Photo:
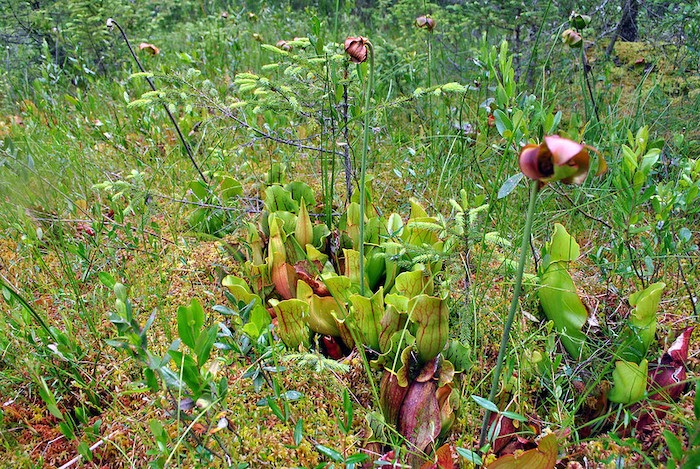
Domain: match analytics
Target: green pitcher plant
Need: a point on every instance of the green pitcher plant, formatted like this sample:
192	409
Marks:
308	278
557	292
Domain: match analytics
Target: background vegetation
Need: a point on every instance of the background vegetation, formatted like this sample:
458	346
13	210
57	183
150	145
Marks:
114	244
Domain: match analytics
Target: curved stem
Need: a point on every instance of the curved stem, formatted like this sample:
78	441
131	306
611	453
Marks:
112	22
524	248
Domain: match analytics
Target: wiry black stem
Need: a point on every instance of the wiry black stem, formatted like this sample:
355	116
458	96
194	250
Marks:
691	296
110	23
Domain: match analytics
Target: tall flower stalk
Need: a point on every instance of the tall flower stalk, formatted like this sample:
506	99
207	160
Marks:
359	49
534	190
363	164
555	159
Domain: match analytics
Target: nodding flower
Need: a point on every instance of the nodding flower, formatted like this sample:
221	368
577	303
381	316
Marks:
356	48
558	159
571	38
425	22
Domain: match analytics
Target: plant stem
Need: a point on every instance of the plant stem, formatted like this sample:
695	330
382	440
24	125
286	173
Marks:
363	194
363	164
586	85
188	150
534	189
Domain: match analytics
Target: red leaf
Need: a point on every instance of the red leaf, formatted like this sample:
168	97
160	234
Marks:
678	351
419	418
442	459
332	347
391	397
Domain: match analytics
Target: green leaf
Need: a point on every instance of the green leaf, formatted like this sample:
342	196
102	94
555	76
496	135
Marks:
430	315
278	199
272	404
204	344
649	161
510	184
67	430
259	320
674	445
190	320
368	315
120	292
107	280
84	450
49	399
347	407
485	403
300	191
514	416
562	246
230	188
299	431
356	458
562	305
292	322
470	456
330	453
240	289
637	338
188	370
503	123
199	189
630	381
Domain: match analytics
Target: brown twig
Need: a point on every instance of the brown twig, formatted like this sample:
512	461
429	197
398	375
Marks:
580	210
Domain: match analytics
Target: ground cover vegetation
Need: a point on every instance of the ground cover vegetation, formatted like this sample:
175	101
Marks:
349	234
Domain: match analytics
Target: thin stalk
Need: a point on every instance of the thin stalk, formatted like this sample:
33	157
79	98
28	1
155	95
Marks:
363	164
586	85
363	193
533	54
524	249
111	22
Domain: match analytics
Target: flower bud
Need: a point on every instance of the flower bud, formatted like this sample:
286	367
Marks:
284	45
578	20
356	48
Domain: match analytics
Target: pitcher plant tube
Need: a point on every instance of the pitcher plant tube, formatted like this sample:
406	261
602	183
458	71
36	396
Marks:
555	159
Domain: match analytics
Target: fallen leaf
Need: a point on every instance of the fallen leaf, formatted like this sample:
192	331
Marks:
442	459
149	48
542	457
